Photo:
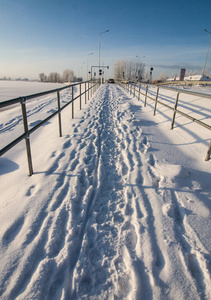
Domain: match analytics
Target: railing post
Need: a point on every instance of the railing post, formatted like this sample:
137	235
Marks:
145	102
59	114
175	110
25	126
88	90
208	153
80	96
134	91
156	101
85	92
139	89
72	102
131	88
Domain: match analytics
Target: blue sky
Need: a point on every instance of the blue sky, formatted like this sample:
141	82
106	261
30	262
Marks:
51	36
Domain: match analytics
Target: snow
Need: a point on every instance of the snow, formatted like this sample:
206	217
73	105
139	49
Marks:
117	208
198	77
192	77
14	89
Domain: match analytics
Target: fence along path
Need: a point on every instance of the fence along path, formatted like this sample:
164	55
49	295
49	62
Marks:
132	89
106	228
89	87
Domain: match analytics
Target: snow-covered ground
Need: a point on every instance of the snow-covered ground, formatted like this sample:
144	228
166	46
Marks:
14	89
118	208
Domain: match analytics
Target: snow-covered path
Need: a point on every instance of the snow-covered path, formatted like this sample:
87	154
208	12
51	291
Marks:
106	221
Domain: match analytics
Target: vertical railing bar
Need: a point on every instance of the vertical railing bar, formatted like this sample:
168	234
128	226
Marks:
175	110
59	114
27	141
139	89
145	102
156	101
88	90
134	91
72	103
208	152
80	96
85	92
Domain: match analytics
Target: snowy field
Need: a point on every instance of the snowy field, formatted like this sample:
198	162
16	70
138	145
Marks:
117	208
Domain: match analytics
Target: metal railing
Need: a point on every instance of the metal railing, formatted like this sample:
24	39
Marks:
186	82
90	86
131	88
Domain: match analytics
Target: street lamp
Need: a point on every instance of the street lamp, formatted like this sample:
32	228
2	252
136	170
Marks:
87	65
207	53
83	70
100	44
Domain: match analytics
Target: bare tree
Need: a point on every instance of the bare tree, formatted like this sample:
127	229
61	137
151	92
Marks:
147	75
128	70
68	76
163	77
119	69
43	77
54	77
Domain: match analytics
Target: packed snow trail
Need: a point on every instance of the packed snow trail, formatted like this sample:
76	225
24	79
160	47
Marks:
109	223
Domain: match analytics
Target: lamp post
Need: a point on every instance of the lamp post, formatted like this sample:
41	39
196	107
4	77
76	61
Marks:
207	53
87	65
83	70
100	45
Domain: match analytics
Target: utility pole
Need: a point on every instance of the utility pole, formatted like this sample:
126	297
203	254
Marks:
100	46
207	53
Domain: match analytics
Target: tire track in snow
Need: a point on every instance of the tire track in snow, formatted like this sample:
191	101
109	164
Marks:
55	244
54	201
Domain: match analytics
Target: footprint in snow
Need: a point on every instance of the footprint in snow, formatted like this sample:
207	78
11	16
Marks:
130	236
100	275
95	257
151	160
30	191
67	144
13	231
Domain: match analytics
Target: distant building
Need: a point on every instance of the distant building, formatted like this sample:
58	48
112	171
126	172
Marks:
192	77
198	77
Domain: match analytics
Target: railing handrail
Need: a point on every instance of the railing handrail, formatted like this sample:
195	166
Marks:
12	101
27	132
174	109
186	92
185	82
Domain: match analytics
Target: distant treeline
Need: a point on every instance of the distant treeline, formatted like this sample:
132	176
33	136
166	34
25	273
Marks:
67	76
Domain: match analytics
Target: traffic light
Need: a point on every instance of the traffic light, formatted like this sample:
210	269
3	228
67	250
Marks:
100	72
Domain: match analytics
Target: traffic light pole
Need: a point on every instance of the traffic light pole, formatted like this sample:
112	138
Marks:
100	71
